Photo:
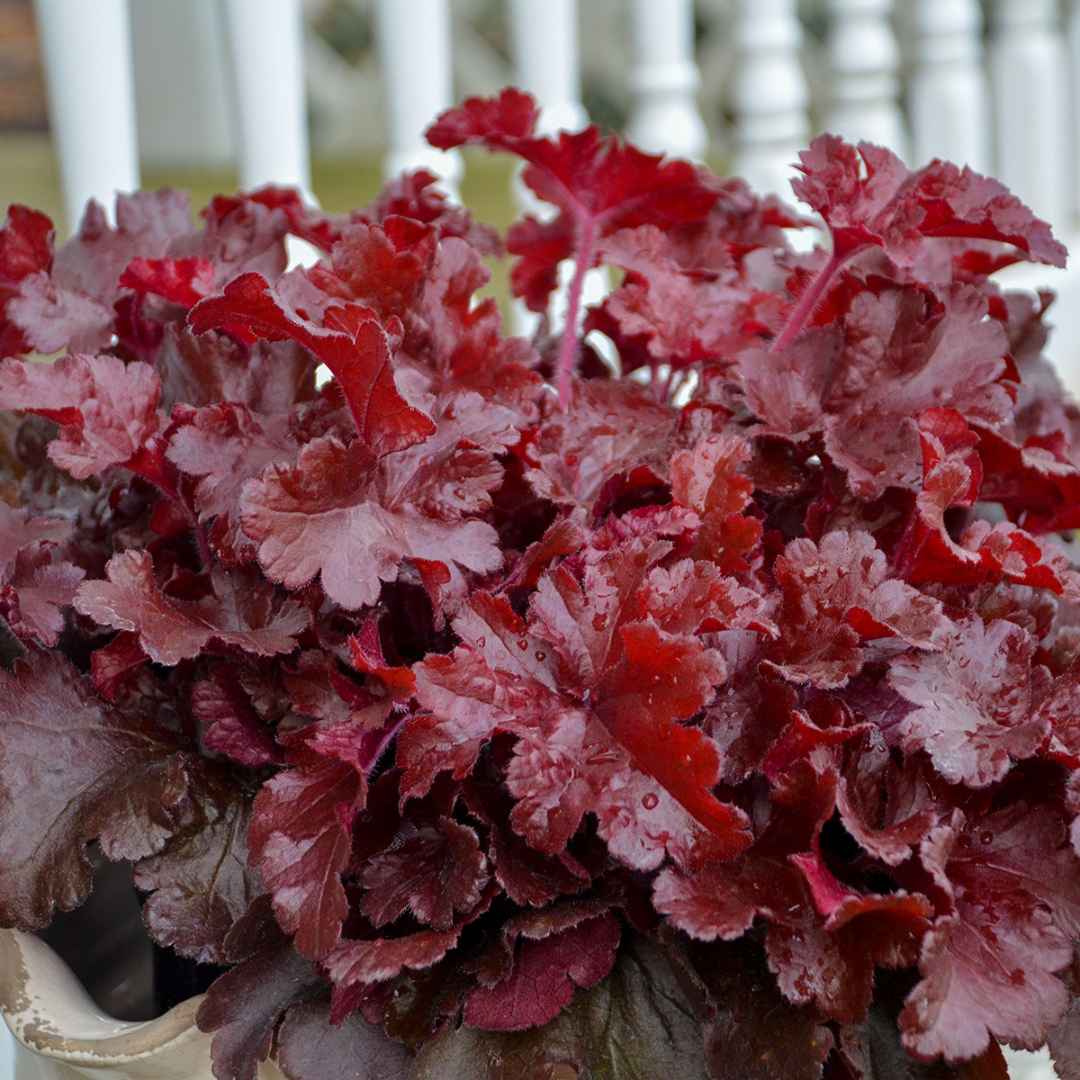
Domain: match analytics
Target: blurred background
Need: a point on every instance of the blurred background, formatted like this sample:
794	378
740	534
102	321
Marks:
184	114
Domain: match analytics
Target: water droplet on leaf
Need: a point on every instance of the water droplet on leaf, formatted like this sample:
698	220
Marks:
650	801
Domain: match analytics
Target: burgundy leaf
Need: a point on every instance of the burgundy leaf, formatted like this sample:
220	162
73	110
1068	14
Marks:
544	975
247	1003
608	428
639	1021
147	224
26	239
430	870
201	884
309	1046
752	1020
123	782
300	842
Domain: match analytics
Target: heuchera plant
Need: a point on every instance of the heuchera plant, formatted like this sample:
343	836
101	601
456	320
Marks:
488	712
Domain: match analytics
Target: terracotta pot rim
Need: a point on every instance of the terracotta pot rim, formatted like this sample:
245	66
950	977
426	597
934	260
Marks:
49	1012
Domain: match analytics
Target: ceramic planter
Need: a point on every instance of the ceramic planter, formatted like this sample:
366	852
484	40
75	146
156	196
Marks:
62	1034
66	1025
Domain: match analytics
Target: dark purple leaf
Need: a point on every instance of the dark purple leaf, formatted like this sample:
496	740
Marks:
119	780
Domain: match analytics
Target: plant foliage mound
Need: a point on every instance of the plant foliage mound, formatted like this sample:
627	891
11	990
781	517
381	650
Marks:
705	707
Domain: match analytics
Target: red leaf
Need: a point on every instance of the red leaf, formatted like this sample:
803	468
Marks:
599	185
407	270
667	313
53	319
38	593
832	964
353	963
183	281
226	446
239	613
113	664
868	196
34	587
973	702
607	429
26	238
327	515
864	381
720	900
988	967
108	409
349	340
838	595
596	719
234	728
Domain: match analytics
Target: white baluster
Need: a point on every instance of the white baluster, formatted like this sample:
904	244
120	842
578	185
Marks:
545	52
546	55
1072	37
414	40
665	80
1027	72
770	94
865	59
265	39
86	49
949	98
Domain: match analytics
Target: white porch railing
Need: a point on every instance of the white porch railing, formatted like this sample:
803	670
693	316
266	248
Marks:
988	82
